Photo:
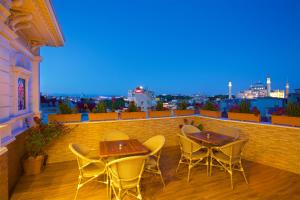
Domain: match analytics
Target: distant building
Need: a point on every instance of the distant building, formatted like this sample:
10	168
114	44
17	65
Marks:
268	86
277	94
259	90
255	91
197	98
143	98
287	87
230	90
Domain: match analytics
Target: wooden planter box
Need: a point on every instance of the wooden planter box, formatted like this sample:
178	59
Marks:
34	166
244	117
184	112
210	113
103	116
285	120
166	113
133	115
64	117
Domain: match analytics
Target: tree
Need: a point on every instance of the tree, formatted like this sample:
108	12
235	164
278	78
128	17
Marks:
65	109
183	105
101	107
132	107
159	106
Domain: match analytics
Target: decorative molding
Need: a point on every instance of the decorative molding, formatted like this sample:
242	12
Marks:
19	20
4	11
45	9
17	3
6	3
35	45
6	32
3	150
35	22
37	59
20	71
19	47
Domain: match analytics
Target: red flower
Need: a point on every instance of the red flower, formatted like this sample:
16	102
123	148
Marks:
279	111
255	111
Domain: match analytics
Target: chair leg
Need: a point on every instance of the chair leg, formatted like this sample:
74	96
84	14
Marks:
162	179
78	187
207	166
108	187
139	192
210	166
76	194
178	164
109	192
189	172
230	172
119	195
242	169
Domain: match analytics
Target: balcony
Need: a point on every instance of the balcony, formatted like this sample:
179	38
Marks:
271	162
59	181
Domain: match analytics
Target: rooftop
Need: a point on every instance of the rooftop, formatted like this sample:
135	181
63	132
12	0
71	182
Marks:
59	181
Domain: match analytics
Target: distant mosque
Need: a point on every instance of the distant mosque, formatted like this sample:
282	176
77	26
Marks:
259	90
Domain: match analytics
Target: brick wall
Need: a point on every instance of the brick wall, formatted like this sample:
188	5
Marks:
271	145
3	176
91	133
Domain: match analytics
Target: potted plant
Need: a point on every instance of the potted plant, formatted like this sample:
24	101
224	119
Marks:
243	112
182	110
210	110
38	137
133	112
287	116
67	114
160	111
99	113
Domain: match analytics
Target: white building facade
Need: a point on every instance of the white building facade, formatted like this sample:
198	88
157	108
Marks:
143	98
25	26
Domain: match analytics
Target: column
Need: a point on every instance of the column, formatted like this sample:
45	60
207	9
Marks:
35	85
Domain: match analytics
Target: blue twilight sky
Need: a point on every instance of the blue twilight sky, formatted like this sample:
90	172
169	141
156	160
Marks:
173	46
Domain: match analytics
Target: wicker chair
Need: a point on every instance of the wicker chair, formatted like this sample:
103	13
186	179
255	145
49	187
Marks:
188	129
192	154
115	135
125	175
229	131
89	169
154	144
229	158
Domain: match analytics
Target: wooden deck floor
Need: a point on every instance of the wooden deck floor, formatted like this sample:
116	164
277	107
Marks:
58	182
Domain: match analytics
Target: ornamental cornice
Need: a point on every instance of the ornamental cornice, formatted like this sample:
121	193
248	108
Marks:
35	22
46	11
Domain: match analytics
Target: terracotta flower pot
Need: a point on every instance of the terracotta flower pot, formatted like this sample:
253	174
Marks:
244	117
64	117
210	113
165	113
184	112
34	165
285	120
133	115
103	116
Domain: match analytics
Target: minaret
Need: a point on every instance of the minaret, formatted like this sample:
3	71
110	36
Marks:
287	90
229	90
268	86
